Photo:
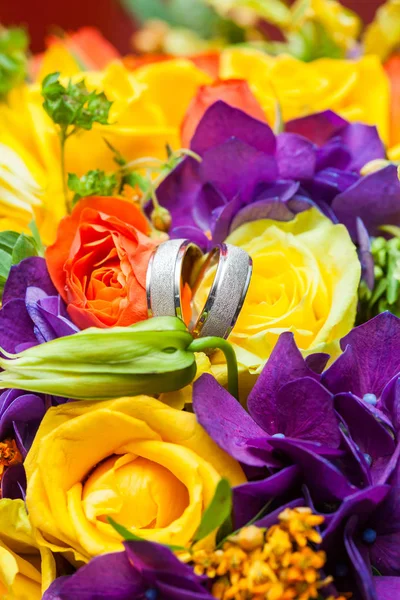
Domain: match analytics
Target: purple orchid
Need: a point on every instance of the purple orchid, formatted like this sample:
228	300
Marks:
145	571
32	310
247	173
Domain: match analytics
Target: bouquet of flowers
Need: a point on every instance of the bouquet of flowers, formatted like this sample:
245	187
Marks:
200	312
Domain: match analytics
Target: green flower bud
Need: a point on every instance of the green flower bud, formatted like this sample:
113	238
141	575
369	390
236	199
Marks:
151	357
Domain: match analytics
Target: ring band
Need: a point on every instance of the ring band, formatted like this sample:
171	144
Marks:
227	294
170	265
167	266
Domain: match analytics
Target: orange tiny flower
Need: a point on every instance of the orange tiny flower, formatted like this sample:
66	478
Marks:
9	455
99	262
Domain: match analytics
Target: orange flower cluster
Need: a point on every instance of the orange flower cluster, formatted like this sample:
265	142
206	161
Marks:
9	455
274	564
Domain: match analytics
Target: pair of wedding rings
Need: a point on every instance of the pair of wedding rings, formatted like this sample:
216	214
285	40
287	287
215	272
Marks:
176	262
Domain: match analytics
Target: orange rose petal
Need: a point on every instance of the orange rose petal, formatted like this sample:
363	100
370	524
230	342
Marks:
99	262
234	92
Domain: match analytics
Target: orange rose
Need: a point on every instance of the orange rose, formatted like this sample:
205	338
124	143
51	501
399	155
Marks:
99	261
235	92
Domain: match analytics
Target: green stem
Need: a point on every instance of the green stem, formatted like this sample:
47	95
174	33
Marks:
63	139
213	342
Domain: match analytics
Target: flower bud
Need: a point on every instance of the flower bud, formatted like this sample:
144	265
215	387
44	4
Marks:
147	358
161	219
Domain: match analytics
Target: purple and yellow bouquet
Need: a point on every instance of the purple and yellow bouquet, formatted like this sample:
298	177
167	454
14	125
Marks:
200	315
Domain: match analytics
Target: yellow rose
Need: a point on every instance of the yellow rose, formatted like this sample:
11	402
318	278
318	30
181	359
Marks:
305	279
145	115
25	571
149	466
343	86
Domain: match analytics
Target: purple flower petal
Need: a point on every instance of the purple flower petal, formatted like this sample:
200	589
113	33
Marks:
13	482
31	271
16	327
385	552
48	315
364	254
178	591
330	182
192	233
220	168
304	409
180	189
149	557
363	504
375	199
225	420
208	199
319	127
324	480
387	587
317	362
354	464
110	576
221	122
296	156
222	218
333	154
389	403
371	436
370	359
249	498
361	566
364	144
284	365
271	208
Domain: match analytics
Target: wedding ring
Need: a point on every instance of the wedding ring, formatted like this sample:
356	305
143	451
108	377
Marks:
228	291
175	262
169	266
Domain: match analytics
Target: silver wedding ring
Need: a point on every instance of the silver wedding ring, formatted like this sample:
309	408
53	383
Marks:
175	262
169	267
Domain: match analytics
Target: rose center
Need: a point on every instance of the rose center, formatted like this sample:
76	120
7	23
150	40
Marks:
136	492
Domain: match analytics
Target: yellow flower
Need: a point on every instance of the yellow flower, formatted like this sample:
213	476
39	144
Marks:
145	115
25	571
149	466
305	279
343	86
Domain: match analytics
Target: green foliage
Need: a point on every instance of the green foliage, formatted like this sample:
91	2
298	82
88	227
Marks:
93	183
74	105
13	58
190	14
72	108
131	537
385	294
217	512
14	247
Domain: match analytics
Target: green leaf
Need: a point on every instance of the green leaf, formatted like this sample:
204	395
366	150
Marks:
74	105
14	247
24	247
217	512
118	158
135	179
13	58
36	237
93	183
7	240
131	537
